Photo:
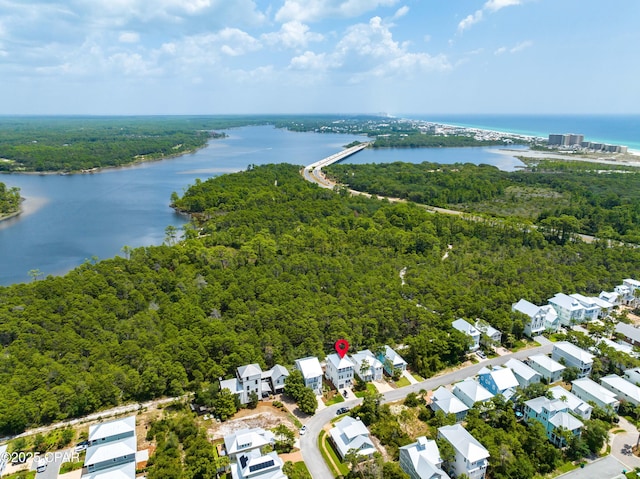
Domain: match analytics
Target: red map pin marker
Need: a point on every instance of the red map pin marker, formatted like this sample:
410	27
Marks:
342	346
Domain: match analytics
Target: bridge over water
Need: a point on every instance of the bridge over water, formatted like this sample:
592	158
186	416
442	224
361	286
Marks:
313	172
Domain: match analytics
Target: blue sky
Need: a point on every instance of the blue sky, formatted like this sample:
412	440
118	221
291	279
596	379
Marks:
319	56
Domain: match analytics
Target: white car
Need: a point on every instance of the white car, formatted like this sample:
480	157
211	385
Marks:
42	466
303	429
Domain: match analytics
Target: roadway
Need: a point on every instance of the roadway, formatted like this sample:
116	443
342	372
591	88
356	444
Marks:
309	442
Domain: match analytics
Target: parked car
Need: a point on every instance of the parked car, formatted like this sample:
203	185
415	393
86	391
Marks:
303	430
42	466
481	355
342	410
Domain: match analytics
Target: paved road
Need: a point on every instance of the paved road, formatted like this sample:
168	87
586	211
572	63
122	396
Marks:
309	442
54	460
606	468
622	443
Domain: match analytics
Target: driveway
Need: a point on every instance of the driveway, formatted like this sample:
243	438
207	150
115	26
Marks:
309	442
606	468
622	443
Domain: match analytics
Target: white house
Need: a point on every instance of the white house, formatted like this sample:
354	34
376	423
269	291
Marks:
444	400
112	449
392	361
569	310
245	440
623	389
631	334
350	433
541	318
421	460
627	291
471	457
254	465
273	380
248	381
366	366
618	346
605	306
499	380
592	309
610	297
633	375
576	405
523	373
552	414
468	329
470	392
489	336
573	356
339	371
311	373
588	390
549	369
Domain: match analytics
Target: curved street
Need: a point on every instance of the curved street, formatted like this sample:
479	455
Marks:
309	442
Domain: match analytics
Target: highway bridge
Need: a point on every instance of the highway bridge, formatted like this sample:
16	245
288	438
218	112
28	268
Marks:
313	172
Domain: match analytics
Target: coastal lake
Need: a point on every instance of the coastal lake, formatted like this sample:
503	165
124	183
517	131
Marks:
71	219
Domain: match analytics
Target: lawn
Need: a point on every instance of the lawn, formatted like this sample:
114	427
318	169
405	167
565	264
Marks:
330	456
370	388
337	398
417	377
299	469
402	382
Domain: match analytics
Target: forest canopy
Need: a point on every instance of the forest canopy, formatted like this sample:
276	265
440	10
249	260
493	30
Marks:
273	269
9	200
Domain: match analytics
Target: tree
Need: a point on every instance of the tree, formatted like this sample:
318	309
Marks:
304	397
253	400
170	235
307	401
594	434
225	404
285	438
570	374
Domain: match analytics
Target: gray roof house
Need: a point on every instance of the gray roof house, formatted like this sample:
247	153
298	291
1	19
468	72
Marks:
350	433
421	460
444	400
573	356
588	390
112	449
470	392
489	336
470	330
391	361
576	405
245	440
541	318
569	309
311	373
631	334
523	373
471	457
623	389
547	368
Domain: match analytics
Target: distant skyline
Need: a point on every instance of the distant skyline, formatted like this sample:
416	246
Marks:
150	57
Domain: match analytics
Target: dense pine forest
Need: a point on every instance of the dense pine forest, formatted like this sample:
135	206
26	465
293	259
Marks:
273	269
559	196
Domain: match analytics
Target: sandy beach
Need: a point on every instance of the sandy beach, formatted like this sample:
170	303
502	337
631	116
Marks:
631	159
29	205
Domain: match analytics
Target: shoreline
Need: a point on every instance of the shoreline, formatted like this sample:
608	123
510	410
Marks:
28	206
542	155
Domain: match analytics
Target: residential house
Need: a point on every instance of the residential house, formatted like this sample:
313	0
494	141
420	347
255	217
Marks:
623	389
569	310
351	434
630	333
633	375
254	465
391	361
339	371
273	380
311	373
553	414
246	440
592	309
590	391
248	381
620	346
444	400
366	366
489	336
612	297
540	318
421	460
470	392
605	306
112	449
549	369
572	356
523	373
627	291
471	457
470	330
577	406
499	380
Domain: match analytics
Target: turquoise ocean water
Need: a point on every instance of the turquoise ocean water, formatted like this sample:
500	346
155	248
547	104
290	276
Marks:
612	129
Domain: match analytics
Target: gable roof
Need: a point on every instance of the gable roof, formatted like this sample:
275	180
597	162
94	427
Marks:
473	390
567	421
109	429
276	372
245	439
121	471
309	367
425	458
571	400
525	307
463	442
110	451
447	401
616	382
394	357
594	389
628	331
574	351
249	370
338	362
366	355
521	369
465	327
503	378
546	362
566	302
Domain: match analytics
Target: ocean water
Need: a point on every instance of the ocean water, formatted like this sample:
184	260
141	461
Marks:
612	129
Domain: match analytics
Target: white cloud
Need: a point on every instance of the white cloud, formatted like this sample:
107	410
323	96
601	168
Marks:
292	35
401	12
521	46
470	20
312	61
490	6
500	51
235	42
129	37
314	10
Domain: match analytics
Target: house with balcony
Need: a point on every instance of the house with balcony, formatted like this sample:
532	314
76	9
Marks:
591	391
391	361
366	366
471	457
351	434
470	392
524	374
112	449
273	380
421	460
311	373
627	292
592	310
470	330
623	389
550	370
499	380
540	318
572	356
577	406
554	415
444	400
569	310
610	297
339	371
255	465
